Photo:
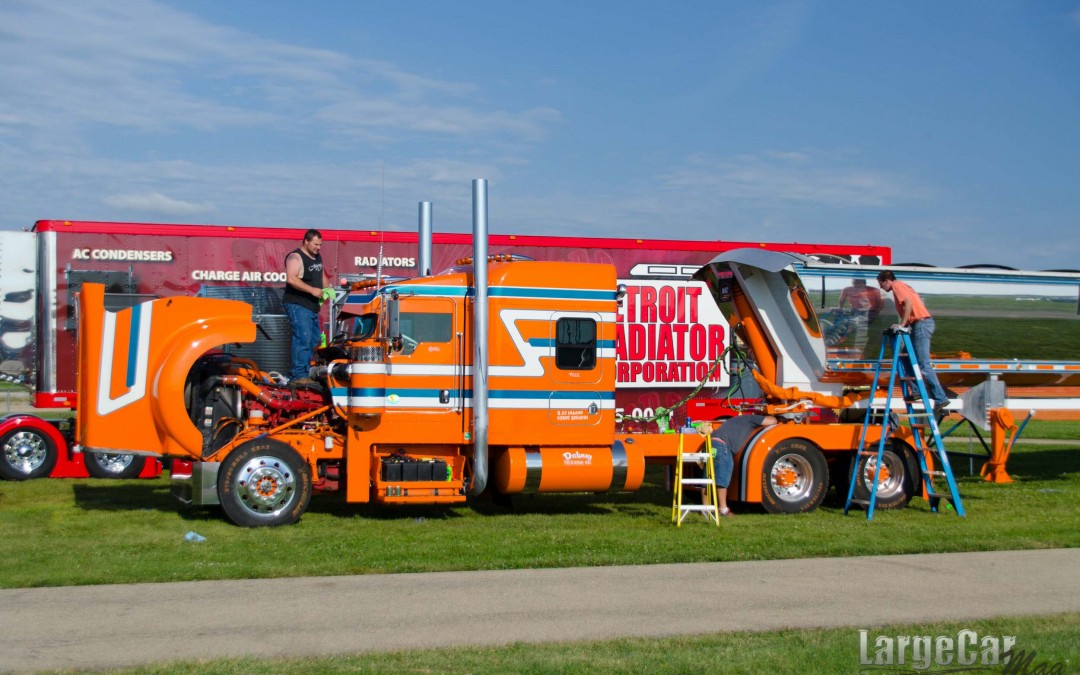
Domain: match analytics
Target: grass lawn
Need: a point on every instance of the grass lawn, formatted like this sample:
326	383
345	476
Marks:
65	532
808	652
1060	430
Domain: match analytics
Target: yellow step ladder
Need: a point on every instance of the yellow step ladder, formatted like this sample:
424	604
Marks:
708	484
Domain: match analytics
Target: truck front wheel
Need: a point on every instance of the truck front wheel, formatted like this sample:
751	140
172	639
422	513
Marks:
113	464
26	453
794	478
264	483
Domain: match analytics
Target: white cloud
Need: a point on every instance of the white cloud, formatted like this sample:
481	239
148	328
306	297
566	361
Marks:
359	115
362	194
155	202
144	66
796	177
136	110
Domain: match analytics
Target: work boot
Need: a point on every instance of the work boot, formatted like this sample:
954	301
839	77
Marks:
941	410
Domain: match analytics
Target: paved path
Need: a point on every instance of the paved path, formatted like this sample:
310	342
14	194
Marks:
123	625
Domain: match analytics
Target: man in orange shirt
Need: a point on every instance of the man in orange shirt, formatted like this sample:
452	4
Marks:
915	317
865	304
862	298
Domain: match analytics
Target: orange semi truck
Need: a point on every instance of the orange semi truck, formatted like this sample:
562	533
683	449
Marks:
497	375
671	336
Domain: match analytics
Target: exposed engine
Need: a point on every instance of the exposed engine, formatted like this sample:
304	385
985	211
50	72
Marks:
228	397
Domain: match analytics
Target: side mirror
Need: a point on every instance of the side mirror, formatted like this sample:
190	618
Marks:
393	319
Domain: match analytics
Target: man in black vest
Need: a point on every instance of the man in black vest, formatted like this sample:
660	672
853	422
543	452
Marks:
305	289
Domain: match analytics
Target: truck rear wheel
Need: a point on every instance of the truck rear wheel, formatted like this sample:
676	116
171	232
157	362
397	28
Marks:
794	478
113	464
896	480
264	483
26	453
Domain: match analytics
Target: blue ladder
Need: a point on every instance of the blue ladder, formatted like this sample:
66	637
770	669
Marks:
905	369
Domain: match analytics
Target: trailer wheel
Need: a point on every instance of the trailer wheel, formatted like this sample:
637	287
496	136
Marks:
264	483
26	453
896	481
794	478
113	464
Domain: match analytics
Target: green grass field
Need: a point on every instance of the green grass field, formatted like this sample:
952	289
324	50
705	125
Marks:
1037	428
66	532
73	532
808	652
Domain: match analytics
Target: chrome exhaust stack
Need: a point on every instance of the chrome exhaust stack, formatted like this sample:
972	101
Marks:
423	242
480	336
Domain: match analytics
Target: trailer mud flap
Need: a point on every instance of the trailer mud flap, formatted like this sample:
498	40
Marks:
133	364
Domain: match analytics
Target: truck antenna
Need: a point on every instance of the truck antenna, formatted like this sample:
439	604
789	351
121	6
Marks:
382	232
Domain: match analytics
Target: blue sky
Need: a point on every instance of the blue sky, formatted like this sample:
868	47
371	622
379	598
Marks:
949	131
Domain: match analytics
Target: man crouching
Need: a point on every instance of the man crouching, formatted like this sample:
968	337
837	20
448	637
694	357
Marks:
727	439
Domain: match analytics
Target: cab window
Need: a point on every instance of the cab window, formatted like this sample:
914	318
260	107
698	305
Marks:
427	326
364	326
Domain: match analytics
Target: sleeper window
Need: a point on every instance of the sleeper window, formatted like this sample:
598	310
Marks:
575	344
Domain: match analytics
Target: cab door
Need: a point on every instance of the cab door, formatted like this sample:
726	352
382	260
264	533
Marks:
426	375
576	370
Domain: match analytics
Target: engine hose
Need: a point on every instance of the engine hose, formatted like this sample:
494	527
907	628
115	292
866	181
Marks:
662	415
208	384
263	396
241	361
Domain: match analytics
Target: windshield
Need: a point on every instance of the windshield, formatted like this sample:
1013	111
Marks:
363	326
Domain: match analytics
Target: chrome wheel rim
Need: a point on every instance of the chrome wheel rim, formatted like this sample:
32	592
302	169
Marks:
792	478
114	462
891	480
25	451
265	486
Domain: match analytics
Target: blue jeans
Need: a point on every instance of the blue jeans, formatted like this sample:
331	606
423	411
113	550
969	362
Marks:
305	337
723	463
921	333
